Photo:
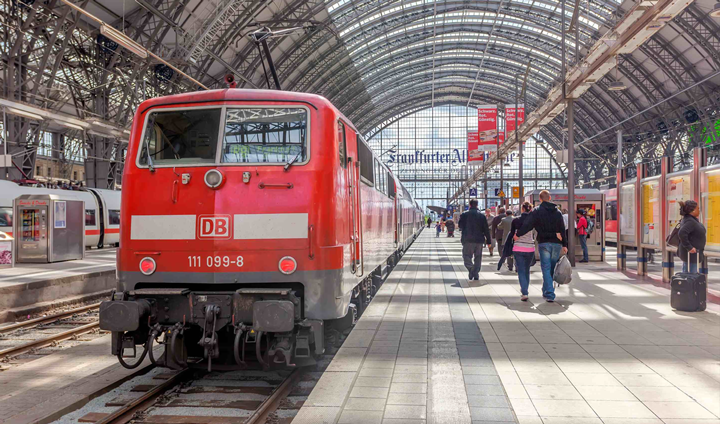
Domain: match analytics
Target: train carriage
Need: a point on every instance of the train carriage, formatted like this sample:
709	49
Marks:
252	219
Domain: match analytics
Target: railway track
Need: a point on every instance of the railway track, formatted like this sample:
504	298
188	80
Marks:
36	330
238	397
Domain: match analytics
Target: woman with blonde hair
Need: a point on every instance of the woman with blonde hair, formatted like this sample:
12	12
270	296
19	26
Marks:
523	249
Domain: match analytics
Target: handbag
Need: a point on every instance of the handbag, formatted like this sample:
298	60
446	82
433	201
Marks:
673	239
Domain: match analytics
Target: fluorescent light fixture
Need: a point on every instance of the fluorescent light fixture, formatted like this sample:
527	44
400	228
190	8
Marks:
69	125
616	86
123	40
20	112
93	132
104	125
715	13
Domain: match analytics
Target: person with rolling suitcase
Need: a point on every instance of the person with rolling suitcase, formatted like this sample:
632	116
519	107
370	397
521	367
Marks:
689	287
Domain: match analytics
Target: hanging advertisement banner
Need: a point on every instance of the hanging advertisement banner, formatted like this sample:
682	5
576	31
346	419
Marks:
474	153
510	117
487	128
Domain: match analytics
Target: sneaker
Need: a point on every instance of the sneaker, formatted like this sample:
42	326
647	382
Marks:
524	298
549	300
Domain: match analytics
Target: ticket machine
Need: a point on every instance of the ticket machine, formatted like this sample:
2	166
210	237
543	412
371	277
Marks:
48	229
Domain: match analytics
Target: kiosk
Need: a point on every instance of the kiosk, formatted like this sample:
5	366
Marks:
48	229
593	202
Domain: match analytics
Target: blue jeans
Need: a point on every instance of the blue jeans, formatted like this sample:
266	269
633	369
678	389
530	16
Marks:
522	263
583	244
549	256
693	267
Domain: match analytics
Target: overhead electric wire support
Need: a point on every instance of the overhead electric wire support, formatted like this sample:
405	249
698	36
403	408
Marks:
635	28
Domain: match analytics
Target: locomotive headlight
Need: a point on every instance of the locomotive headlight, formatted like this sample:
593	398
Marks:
147	266
213	178
287	265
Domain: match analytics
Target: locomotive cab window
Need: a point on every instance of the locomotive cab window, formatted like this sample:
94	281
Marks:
265	135
180	137
341	144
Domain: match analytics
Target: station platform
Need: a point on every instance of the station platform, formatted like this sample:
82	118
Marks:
432	349
27	288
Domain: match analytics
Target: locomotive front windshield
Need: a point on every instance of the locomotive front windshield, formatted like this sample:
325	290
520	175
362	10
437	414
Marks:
181	137
250	135
265	135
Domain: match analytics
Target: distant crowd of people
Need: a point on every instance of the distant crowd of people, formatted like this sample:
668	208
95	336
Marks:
544	230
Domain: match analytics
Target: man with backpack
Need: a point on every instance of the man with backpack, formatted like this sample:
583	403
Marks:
547	220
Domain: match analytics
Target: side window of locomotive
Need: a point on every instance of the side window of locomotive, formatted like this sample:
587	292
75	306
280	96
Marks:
341	144
611	210
179	137
90	218
113	217
265	135
366	163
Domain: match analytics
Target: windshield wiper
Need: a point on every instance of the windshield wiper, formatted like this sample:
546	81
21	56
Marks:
293	160
149	159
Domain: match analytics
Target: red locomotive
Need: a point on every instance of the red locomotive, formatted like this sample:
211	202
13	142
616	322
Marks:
251	219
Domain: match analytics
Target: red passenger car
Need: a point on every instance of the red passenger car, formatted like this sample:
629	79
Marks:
251	220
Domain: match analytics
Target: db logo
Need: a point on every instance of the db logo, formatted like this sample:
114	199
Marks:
214	226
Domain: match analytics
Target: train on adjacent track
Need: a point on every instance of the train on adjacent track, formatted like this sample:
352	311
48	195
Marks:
102	211
253	221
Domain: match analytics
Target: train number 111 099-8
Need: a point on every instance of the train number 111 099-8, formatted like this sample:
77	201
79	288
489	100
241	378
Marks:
215	261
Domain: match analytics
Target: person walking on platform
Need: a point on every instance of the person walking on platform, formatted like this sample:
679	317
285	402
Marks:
523	249
475	233
506	225
693	236
438	229
496	230
547	220
450	225
582	226
489	216
429	221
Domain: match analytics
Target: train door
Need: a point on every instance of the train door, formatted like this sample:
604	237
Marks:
352	174
101	217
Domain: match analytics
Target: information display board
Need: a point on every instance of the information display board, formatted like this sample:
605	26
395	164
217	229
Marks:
627	212
710	207
679	189
651	212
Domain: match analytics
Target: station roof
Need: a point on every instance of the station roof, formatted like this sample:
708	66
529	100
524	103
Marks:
379	60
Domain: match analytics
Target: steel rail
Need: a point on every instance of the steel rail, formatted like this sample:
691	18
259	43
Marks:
48	319
47	341
273	401
128	411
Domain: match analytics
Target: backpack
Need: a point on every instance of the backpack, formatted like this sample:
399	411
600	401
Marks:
590	227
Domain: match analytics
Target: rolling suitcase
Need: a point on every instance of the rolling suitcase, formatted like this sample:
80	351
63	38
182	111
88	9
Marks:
689	290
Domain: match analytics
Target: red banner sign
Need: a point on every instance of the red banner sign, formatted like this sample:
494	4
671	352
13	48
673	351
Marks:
474	154
487	128
510	117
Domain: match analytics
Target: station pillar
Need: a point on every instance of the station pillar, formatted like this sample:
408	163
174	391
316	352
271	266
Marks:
641	251
621	249
668	264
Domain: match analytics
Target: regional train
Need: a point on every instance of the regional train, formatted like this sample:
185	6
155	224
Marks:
102	210
254	222
611	215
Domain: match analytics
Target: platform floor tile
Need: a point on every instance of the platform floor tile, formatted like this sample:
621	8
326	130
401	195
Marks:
440	349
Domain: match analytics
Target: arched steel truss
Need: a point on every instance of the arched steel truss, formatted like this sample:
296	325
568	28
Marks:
377	60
